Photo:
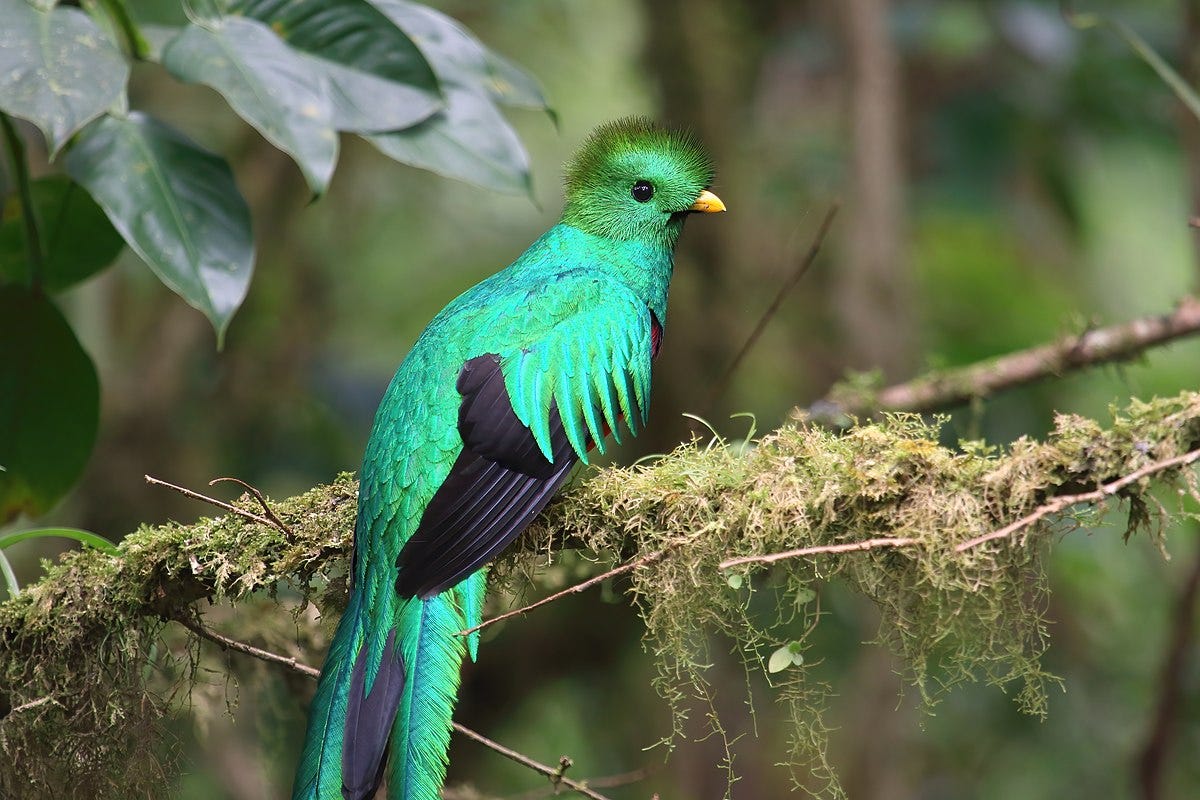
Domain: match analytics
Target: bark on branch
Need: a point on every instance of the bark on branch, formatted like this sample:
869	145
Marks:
948	388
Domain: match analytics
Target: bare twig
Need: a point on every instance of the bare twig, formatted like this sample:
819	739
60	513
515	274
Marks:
250	515
262	501
953	387
1065	501
603	782
233	644
722	383
848	547
628	566
555	774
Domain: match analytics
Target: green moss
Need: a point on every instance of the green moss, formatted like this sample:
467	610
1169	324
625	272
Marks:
74	647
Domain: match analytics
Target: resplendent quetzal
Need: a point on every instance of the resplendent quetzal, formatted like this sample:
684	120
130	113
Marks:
506	389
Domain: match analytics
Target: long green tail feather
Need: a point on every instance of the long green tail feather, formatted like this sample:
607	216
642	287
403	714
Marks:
421	734
471	592
319	775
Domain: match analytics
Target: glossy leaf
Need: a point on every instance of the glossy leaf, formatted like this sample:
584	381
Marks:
175	204
77	238
469	140
57	69
378	80
458	58
49	404
271	86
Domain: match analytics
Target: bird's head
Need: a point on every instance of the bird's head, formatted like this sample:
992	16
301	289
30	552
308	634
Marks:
632	179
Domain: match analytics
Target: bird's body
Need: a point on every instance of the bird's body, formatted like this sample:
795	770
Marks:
507	387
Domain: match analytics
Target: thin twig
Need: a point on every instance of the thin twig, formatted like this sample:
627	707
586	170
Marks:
948	388
233	644
848	547
262	501
723	382
602	782
555	774
250	515
1065	501
628	566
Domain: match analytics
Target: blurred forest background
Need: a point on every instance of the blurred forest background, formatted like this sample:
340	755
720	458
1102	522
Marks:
1005	179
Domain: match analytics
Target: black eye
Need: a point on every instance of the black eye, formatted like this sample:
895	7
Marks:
642	191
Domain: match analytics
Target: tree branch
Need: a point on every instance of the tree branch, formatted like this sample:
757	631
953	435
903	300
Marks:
80	634
948	388
1063	502
1055	506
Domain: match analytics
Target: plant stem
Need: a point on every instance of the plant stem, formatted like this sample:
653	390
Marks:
20	170
135	44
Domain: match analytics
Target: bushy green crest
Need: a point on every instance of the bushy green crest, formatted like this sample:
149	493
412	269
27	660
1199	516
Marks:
620	153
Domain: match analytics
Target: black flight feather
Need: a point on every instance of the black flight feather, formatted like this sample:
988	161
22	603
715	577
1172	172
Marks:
500	481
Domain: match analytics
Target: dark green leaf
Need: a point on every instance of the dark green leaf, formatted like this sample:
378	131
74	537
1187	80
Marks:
57	69
469	140
175	204
271	86
378	79
49	403
77	239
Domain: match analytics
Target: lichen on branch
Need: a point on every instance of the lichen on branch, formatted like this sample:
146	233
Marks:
77	688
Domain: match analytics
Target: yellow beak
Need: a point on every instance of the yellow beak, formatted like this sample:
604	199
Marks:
708	202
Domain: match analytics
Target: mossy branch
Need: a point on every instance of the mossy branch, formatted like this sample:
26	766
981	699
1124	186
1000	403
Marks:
78	694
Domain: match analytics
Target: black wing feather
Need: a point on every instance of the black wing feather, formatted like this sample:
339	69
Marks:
500	481
488	425
369	720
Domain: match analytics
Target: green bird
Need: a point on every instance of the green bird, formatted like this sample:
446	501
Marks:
508	387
